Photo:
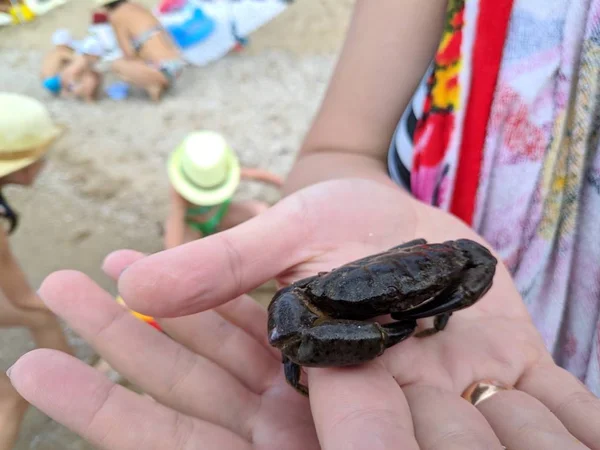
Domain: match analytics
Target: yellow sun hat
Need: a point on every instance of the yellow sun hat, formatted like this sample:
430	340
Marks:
26	131
101	3
204	169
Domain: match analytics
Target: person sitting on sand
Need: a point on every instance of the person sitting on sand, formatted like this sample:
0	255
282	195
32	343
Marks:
26	134
151	59
60	56
79	79
69	69
204	173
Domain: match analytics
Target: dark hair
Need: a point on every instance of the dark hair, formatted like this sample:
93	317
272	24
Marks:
114	5
7	213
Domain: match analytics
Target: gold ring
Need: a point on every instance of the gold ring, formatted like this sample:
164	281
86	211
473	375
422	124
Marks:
482	390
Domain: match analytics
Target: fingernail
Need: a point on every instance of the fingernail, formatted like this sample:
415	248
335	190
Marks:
8	371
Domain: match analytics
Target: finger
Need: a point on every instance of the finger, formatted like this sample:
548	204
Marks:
444	421
246	313
360	408
108	415
157	364
205	273
523	423
116	262
243	311
574	405
210	335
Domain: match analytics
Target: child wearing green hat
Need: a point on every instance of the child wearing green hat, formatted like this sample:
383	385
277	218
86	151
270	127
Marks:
205	173
26	134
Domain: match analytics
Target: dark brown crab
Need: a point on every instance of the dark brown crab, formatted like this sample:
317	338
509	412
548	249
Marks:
321	321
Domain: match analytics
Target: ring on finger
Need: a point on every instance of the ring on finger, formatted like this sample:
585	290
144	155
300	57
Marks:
483	390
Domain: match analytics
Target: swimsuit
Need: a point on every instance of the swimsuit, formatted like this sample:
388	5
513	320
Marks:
8	214
145	36
170	68
210	226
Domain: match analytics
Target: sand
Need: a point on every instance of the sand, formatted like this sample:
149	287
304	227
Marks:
105	186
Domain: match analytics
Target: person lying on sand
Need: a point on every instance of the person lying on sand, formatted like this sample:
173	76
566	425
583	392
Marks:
204	173
151	59
26	134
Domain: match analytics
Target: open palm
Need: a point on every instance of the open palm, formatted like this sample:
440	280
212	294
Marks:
218	385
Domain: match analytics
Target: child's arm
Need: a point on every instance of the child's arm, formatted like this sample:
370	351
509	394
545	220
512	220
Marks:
261	175
73	71
13	282
175	222
387	50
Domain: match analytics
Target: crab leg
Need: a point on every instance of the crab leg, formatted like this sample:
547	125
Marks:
459	296
292	374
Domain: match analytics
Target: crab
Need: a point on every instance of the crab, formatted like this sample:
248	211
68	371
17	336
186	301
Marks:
326	320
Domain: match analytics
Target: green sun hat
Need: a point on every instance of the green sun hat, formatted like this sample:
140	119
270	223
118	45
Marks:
204	169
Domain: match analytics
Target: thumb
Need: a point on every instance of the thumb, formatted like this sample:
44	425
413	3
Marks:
211	271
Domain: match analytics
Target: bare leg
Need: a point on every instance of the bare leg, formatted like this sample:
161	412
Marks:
12	409
87	88
46	332
138	73
240	212
43	325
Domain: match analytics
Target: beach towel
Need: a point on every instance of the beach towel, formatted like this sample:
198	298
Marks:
508	142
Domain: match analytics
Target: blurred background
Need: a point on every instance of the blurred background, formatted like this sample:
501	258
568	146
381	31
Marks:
105	186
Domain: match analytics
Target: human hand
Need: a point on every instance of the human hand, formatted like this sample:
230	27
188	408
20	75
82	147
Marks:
409	397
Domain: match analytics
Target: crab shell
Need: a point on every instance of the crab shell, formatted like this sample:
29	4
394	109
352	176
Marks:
365	288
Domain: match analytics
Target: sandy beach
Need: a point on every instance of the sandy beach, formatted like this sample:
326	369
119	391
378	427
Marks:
105	186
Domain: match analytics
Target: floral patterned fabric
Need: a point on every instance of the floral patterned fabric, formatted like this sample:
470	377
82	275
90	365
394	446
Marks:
538	200
508	142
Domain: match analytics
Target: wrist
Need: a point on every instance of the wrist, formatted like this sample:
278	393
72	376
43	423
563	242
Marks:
313	167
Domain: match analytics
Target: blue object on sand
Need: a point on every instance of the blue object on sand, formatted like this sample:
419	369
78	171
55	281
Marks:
194	30
52	84
118	90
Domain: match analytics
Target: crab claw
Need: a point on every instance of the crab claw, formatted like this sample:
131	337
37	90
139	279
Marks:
288	316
